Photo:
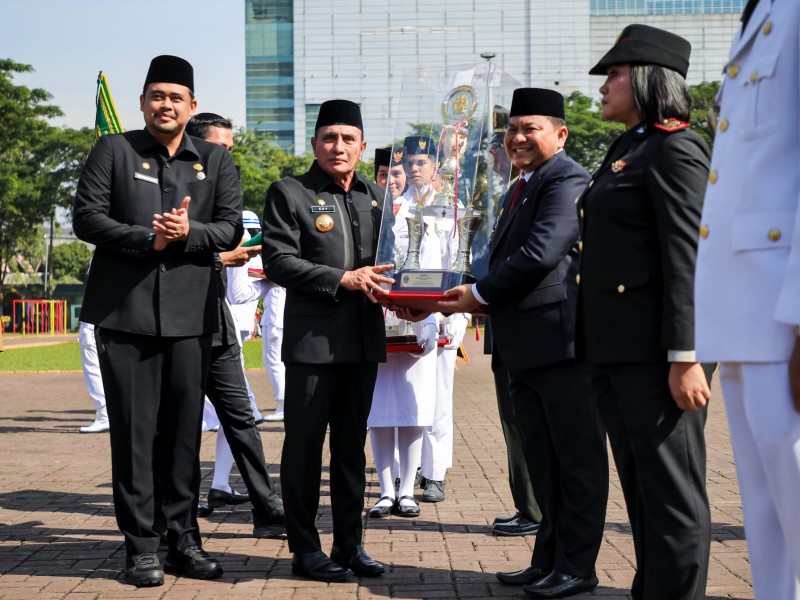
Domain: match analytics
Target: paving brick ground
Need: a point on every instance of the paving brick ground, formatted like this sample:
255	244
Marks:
58	537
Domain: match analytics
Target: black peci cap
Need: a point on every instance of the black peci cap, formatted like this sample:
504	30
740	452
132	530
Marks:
382	157
419	144
537	101
645	45
170	69
339	112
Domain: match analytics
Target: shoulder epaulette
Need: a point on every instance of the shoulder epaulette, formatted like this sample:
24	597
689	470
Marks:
672	125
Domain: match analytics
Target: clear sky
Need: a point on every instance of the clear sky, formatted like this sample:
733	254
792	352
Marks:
69	41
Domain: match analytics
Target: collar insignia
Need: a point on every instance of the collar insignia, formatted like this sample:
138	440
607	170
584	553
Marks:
618	165
320	202
145	165
197	167
672	124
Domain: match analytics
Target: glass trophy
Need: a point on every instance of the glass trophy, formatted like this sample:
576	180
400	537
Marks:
436	225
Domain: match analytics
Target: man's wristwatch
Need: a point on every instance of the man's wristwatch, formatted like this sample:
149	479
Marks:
217	262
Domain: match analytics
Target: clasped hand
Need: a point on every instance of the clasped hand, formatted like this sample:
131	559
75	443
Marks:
171	226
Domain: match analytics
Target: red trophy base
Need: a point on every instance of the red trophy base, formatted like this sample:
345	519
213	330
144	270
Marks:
408	293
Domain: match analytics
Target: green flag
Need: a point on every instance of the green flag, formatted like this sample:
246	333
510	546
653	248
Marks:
106	119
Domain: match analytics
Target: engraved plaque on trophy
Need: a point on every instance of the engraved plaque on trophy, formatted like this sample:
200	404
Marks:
432	230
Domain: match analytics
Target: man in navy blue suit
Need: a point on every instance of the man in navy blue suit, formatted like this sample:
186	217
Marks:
531	293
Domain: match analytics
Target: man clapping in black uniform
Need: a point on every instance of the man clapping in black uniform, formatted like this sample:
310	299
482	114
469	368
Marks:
157	204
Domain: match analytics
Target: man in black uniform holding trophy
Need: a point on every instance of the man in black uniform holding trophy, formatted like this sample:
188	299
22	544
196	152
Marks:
320	234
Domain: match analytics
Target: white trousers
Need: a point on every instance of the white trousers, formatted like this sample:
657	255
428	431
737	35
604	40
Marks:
765	434
437	443
91	368
272	338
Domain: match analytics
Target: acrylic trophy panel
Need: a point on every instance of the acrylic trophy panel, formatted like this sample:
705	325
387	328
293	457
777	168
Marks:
448	173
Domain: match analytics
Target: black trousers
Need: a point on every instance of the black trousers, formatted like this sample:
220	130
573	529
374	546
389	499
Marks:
519	479
660	455
154	389
568	464
339	395
227	391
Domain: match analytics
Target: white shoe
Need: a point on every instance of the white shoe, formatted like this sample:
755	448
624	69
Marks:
96	427
278	414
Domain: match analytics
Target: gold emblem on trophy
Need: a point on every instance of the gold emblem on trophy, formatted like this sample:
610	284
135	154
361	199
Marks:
459	104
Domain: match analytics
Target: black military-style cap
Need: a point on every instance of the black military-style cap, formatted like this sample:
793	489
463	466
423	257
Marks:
382	157
170	69
500	118
645	45
398	156
419	144
339	112
537	101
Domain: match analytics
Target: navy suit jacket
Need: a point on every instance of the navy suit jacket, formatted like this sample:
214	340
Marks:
532	284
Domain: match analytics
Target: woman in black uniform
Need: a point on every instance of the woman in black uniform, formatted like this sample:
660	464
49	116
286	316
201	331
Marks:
640	217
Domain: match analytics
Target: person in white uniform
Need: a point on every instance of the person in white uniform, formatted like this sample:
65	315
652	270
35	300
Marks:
438	250
243	294
747	284
402	408
91	375
272	338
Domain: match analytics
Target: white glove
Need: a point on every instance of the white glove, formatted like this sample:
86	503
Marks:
456	330
428	339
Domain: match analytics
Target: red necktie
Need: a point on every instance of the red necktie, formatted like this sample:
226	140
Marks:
517	193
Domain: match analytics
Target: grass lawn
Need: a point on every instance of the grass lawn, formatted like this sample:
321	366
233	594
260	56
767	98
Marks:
67	357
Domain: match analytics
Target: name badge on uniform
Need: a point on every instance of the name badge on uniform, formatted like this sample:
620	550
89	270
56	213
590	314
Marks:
146	178
323	209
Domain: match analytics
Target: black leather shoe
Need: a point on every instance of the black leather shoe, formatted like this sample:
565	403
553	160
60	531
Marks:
355	558
193	562
218	498
560	585
406	511
379	512
434	491
497	520
519	526
316	565
272	526
524	577
144	570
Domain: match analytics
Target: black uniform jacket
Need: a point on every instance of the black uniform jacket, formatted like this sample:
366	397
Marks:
127	179
531	285
641	215
324	324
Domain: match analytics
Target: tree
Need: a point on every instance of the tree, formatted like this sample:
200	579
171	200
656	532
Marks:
590	135
70	260
703	116
39	163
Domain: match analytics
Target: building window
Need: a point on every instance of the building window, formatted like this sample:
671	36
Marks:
616	8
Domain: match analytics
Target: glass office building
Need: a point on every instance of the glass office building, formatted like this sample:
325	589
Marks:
303	52
269	49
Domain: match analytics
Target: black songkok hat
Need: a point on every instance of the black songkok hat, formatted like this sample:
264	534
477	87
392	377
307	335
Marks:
645	45
500	118
537	101
419	144
170	69
382	157
339	112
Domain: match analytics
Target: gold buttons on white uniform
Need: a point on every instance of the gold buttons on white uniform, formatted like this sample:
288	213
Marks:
774	235
712	177
703	231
